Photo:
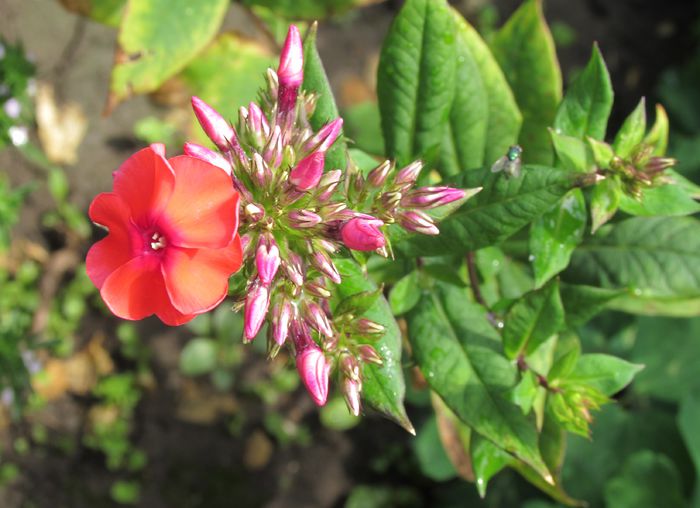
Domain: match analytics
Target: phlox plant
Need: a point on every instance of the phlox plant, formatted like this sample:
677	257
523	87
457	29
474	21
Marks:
497	223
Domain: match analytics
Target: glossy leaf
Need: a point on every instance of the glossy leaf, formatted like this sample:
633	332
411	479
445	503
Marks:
605	200
573	154
583	303
533	320
157	39
606	373
484	118
585	109
525	50
383	385
316	81
307	9
656	256
487	460
632	131
504	206
405	294
555	235
415	80
215	75
657	136
458	352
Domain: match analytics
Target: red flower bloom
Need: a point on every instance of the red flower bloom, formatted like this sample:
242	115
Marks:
172	242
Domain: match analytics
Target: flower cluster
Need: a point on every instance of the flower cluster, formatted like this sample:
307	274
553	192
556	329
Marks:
294	219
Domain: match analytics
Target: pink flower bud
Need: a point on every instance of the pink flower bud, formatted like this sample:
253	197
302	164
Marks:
303	219
369	354
267	260
317	319
290	72
327	185
314	371
256	305
418	222
307	173
431	197
351	393
325	137
294	268
281	315
390	200
317	288
363	234
323	264
349	366
253	212
214	125
261	173
207	155
378	175
257	121
407	176
272	153
368	327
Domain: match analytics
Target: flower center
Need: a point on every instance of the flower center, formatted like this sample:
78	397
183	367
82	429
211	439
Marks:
158	241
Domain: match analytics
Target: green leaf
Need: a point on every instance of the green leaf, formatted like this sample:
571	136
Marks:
656	306
606	373
670	351
484	118
632	131
310	10
657	256
525	51
432	459
335	415
157	39
359	303
316	81
573	154
605	200
198	357
647	479
582	303
383	386
555	235
405	294
362	125
658	134
215	75
673	198
602	152
525	392
588	101
533	320
458	352
415	80
504	206
487	460
107	12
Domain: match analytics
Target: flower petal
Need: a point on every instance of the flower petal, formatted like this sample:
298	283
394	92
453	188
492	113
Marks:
134	290
116	249
145	182
197	279
203	209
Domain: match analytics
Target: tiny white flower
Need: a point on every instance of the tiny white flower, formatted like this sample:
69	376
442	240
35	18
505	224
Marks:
19	135
12	107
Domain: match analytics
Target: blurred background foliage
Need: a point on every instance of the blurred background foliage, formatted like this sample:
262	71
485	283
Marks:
101	413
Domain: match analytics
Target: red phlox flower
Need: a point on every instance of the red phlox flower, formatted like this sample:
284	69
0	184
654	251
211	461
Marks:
172	242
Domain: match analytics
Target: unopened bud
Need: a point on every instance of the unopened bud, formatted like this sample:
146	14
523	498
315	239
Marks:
281	316
290	72
303	219
368	327
294	268
272	153
317	288
323	264
349	366
253	212
407	176
325	137
307	173
214	125
378	175
267	260
363	234
328	183
431	197
332	211
261	173
390	200
256	304
351	393
369	354
207	155
314	369
317	319
658	164
257	121
418	222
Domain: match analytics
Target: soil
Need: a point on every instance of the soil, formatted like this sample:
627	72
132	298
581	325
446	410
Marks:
202	464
